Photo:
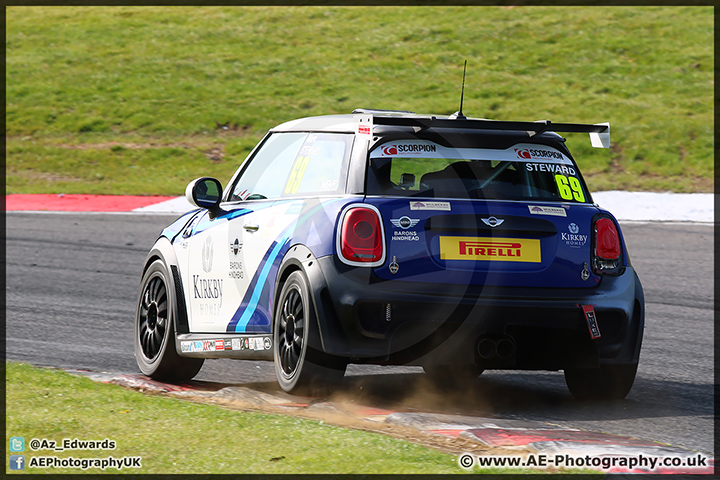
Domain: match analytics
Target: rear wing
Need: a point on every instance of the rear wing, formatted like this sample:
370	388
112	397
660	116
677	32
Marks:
599	132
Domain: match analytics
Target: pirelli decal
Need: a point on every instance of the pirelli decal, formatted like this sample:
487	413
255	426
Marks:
490	248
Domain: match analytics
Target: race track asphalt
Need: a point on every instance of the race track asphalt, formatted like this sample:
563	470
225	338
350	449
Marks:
72	283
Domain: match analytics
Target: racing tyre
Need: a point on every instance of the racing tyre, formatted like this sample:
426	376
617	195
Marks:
609	382
155	351
300	366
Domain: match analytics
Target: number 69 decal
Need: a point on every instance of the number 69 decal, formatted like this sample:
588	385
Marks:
293	183
569	188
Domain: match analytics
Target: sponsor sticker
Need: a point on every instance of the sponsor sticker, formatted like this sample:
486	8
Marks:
442	206
365	125
258	343
267	343
408	149
208	345
294	209
490	249
574	238
538	154
236	270
591	319
554	211
405	235
186	347
404	223
237	344
219	345
228	345
197	346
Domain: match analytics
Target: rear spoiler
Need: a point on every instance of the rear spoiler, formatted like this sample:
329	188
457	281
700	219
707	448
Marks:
599	132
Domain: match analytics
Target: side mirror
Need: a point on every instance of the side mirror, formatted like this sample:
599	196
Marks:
205	192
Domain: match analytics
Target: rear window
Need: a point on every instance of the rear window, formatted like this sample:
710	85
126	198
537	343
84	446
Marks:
426	169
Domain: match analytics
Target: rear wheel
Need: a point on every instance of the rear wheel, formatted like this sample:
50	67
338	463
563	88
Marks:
155	351
609	382
299	366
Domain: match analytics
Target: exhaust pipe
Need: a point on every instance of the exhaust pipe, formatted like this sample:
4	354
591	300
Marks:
502	348
486	348
505	348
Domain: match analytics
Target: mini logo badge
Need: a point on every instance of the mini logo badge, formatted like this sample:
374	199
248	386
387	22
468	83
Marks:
492	221
573	228
405	222
267	343
207	255
236	247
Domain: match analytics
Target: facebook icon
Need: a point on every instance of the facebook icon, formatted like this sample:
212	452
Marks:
17	462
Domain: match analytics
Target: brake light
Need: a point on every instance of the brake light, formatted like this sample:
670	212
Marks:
361	238
607	251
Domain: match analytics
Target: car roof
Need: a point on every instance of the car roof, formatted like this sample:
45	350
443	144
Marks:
392	121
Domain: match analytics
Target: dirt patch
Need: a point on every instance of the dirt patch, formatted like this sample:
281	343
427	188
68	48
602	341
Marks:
48	177
121	145
341	417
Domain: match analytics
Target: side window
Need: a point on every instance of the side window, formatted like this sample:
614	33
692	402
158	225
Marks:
263	177
296	164
320	165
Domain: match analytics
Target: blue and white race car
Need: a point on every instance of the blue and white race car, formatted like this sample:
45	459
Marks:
392	238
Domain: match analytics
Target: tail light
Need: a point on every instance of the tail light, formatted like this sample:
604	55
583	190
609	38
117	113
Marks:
361	241
607	250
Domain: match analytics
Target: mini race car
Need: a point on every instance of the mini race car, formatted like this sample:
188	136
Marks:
392	238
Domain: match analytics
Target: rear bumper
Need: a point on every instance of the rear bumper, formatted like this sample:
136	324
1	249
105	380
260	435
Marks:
369	320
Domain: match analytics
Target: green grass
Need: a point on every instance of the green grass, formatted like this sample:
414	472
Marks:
157	81
175	436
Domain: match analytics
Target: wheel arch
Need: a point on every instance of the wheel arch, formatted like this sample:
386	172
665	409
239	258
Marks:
163	250
300	258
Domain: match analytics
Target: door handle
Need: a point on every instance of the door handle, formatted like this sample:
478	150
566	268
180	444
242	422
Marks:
251	228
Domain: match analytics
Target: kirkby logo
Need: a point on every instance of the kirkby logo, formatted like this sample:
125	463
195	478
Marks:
523	153
207	255
390	150
574	239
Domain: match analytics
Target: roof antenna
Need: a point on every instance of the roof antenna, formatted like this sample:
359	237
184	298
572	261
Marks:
459	115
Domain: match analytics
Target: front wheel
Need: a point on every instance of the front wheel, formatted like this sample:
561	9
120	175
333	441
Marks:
300	366
155	351
609	382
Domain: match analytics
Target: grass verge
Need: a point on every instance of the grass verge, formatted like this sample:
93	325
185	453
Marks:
175	436
141	100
